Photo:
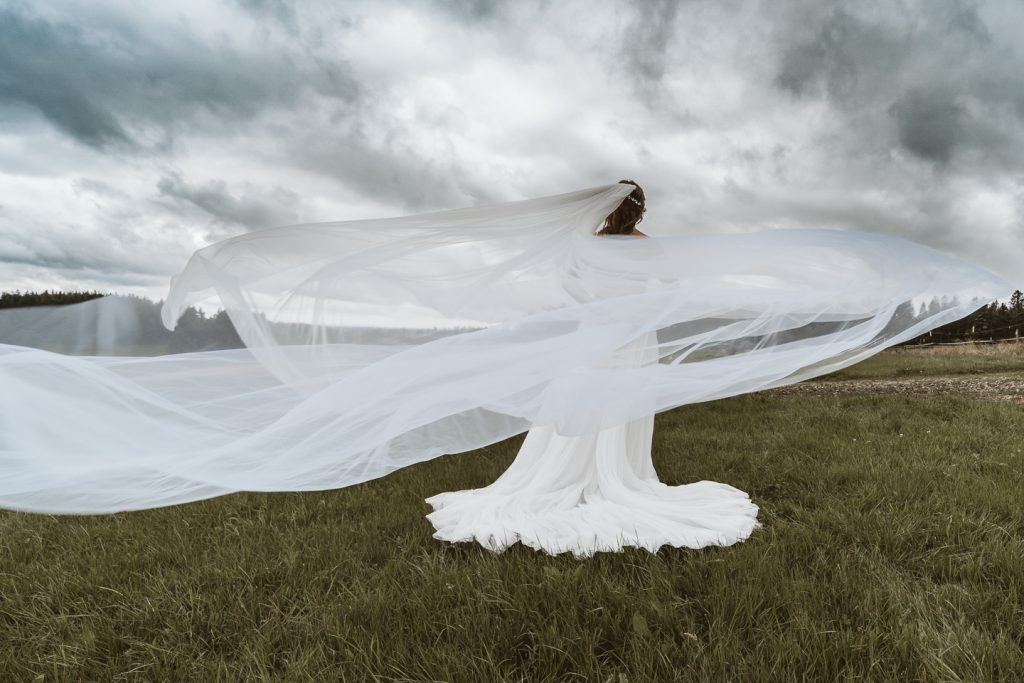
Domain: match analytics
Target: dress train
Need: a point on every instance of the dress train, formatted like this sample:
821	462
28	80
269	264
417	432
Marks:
594	492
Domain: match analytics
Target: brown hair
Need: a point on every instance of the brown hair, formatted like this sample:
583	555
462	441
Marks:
622	220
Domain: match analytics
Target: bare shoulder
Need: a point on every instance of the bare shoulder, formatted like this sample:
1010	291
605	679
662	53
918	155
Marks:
638	233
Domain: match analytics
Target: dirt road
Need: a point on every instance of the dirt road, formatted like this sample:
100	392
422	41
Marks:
1009	387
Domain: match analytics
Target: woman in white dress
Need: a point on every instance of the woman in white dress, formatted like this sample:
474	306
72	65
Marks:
579	338
598	491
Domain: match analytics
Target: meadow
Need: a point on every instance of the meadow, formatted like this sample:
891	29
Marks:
891	548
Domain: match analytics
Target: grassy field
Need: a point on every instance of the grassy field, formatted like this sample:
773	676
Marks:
966	359
892	548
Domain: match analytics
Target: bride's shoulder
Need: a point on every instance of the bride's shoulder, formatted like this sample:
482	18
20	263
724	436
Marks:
638	233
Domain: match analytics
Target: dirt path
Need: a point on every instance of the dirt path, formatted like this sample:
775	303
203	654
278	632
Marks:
1007	387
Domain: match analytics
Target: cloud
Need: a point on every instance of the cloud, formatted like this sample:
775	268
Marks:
645	39
278	11
135	134
251	209
933	78
104	80
45	67
473	10
930	123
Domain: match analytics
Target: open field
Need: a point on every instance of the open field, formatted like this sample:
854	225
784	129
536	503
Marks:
892	548
929	361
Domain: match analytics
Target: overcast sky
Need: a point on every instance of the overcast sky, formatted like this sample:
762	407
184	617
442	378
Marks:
133	133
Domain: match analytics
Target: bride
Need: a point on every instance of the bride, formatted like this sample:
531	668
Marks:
599	491
372	345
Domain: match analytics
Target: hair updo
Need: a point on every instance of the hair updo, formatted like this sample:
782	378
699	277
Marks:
623	219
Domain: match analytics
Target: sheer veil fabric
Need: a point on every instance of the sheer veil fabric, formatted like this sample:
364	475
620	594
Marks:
371	345
594	492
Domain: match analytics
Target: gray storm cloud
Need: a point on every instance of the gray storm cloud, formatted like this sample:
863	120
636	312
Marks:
232	213
948	85
132	135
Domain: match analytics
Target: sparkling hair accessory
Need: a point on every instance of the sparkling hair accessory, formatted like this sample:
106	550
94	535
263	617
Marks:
635	200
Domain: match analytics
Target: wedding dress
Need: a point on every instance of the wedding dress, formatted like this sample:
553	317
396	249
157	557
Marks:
372	345
594	492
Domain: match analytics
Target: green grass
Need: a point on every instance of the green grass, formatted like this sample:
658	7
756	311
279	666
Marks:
892	549
938	360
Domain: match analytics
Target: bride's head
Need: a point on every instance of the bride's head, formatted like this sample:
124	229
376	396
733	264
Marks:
631	211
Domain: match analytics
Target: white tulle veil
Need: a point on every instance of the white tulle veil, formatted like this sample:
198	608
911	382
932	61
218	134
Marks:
371	345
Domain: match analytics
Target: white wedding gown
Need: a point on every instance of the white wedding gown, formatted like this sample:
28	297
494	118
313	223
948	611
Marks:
589	493
594	492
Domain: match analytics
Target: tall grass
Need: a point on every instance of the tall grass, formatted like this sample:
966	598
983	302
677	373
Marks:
892	548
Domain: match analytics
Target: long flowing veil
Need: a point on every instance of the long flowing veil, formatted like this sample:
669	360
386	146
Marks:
371	345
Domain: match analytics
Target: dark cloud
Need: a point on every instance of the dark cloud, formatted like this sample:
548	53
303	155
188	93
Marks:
930	123
104	82
473	10
646	38
912	77
252	208
277	10
828	64
390	170
650	37
963	17
48	68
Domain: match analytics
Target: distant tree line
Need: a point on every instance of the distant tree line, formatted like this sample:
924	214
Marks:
997	320
194	331
197	331
45	298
